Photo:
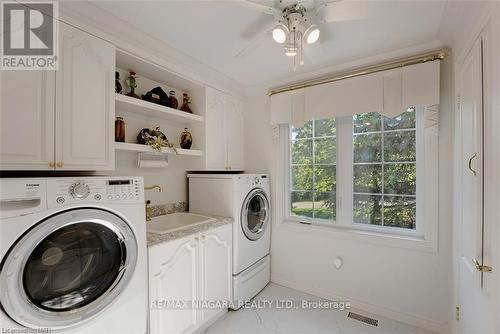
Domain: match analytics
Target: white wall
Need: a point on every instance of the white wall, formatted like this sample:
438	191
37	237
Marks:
409	285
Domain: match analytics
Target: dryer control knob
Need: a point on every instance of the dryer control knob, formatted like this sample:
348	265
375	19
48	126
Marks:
79	190
257	180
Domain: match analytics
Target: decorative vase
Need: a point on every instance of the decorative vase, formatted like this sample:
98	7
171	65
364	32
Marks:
173	100
118	85
120	129
185	103
132	85
186	139
141	137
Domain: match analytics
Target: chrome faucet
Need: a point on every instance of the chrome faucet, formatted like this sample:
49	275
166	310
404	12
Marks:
154	186
148	202
148	210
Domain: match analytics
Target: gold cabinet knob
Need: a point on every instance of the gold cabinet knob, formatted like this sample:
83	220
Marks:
60	164
52	164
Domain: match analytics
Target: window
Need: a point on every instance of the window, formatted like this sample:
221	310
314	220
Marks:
313	169
385	170
358	171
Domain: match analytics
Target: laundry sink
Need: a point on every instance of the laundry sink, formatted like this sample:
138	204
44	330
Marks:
175	221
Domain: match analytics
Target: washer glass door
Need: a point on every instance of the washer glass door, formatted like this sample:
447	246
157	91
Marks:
74	264
255	214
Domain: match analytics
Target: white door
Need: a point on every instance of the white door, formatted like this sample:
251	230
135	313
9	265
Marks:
27	120
235	133
216	267
216	130
173	278
85	102
475	316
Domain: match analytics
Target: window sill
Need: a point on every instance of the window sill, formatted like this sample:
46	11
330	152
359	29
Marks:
423	244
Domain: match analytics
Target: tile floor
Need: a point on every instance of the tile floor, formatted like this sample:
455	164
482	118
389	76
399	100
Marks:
274	320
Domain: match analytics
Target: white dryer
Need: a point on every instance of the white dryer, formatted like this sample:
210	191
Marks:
73	255
245	198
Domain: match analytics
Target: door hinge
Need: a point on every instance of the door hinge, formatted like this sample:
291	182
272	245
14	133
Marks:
459	106
457	313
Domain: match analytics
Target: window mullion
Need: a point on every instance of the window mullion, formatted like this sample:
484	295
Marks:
313	139
382	180
344	171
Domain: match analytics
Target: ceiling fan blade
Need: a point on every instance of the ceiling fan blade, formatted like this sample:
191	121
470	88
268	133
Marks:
259	25
260	7
339	11
254	44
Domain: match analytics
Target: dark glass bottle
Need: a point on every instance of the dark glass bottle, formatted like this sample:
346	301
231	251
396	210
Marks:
120	130
185	103
186	139
173	100
118	85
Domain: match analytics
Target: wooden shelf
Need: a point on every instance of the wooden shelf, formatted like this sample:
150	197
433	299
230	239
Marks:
146	149
136	106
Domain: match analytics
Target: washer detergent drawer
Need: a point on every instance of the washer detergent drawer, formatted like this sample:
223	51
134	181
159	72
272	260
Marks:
251	281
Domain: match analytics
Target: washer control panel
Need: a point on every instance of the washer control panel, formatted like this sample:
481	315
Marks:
62	191
253	180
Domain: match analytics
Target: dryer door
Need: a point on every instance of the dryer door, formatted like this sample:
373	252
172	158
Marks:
68	268
255	214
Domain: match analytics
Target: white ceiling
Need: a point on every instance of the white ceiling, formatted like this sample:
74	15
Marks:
214	32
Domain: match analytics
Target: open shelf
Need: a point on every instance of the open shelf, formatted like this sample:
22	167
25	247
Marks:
147	149
133	105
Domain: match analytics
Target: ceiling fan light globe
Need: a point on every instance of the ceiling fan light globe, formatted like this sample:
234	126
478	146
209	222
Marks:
291	50
280	34
312	34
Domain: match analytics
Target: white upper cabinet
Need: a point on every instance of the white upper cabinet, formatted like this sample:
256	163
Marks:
235	133
27	120
64	119
85	102
216	134
224	131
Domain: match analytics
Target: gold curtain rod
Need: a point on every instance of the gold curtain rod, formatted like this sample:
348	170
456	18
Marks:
412	60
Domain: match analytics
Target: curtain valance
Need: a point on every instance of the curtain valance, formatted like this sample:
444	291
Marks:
387	92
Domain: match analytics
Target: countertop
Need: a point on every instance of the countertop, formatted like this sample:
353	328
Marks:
155	239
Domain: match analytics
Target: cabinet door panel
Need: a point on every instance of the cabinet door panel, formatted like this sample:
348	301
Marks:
235	133
173	279
85	101
216	130
26	120
217	269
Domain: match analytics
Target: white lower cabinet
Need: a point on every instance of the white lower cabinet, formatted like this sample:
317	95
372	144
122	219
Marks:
186	272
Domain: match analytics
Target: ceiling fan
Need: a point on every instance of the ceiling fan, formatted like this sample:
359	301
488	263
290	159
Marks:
296	23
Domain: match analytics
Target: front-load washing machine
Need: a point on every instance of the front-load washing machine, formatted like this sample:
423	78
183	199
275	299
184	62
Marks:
73	255
245	198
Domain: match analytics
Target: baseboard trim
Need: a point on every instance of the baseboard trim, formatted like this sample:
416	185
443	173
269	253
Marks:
427	324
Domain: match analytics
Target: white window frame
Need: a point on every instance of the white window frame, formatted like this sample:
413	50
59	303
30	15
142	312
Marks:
423	237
